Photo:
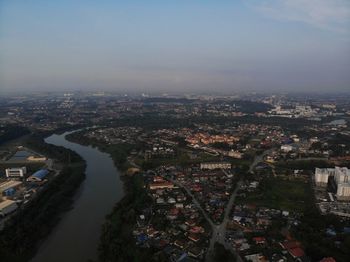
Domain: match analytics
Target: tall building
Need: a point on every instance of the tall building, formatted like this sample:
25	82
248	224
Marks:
341	178
322	175
342	175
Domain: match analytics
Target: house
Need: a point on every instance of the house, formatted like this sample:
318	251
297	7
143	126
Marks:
327	259
294	248
259	240
195	252
194	237
161	185
179	243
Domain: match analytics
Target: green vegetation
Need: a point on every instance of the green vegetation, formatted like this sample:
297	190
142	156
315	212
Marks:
304	164
312	233
221	145
222	254
117	242
297	196
10	132
119	152
59	153
150	121
281	194
31	224
180	159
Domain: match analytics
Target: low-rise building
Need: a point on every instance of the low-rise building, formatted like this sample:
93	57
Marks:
161	185
215	165
9	184
17	172
38	176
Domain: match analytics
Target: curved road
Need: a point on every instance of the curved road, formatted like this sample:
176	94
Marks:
219	231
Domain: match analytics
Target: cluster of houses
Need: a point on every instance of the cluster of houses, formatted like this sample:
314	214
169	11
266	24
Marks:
207	139
173	224
211	186
114	135
249	233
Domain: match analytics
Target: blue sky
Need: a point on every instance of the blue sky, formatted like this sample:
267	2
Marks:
175	45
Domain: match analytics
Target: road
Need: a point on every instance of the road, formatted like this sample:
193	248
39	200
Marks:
219	231
194	200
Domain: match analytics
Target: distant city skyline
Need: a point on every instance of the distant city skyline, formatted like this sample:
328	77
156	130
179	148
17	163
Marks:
175	46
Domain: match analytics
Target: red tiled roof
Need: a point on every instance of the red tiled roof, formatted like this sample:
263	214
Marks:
290	244
165	184
259	239
327	259
296	252
193	237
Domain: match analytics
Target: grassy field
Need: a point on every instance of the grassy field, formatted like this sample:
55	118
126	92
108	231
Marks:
280	194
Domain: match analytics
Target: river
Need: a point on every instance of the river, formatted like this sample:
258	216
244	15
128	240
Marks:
76	237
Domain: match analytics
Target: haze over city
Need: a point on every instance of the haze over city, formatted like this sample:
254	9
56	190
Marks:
175	46
175	131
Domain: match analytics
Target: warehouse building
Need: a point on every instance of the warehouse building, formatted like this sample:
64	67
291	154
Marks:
38	176
8	185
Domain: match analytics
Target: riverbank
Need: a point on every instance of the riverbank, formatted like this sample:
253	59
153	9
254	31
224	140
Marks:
24	232
118	152
117	242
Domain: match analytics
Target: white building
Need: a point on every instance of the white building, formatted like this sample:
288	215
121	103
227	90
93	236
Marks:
343	191
215	165
286	148
342	175
235	154
16	172
341	178
322	175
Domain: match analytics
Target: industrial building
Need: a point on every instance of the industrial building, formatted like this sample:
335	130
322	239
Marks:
16	172
38	176
8	185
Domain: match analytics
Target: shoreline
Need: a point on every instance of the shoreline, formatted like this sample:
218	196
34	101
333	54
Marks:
119	222
47	208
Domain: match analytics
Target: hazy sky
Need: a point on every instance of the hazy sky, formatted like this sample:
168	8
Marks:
175	45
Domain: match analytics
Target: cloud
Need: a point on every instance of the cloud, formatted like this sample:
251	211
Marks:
331	15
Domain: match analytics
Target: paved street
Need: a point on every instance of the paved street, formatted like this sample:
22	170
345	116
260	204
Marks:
219	231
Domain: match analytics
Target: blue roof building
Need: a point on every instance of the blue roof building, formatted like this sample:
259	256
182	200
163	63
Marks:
38	176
